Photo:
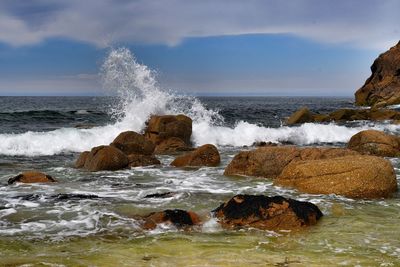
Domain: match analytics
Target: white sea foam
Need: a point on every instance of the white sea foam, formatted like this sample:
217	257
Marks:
140	96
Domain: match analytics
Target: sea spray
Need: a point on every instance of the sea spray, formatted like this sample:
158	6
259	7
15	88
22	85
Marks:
140	96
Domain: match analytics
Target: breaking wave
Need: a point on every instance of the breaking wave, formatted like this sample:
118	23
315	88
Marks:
140	96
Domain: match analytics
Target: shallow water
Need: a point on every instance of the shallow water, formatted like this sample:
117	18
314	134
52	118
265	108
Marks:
87	219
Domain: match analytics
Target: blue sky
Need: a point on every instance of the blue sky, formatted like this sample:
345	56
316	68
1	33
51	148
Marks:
270	47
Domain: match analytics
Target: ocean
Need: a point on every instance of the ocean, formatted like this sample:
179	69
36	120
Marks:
87	219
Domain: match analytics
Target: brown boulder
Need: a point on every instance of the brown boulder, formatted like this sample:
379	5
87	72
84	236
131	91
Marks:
382	88
31	177
267	213
162	127
171	145
372	142
80	162
107	158
351	176
270	161
131	142
206	155
136	160
178	218
301	116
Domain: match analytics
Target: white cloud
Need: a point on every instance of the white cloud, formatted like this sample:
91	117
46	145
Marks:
364	23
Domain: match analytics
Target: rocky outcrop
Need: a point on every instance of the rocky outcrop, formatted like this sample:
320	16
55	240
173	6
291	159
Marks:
178	218
80	162
31	177
267	213
136	160
131	142
372	142
206	155
351	176
342	115
382	88
160	128
103	158
271	160
172	145
301	116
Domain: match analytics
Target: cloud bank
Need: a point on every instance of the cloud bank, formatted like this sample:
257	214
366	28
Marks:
361	23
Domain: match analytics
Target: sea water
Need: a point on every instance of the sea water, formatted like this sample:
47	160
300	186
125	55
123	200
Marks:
87	219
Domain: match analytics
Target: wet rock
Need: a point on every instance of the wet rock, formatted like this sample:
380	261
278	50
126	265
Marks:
136	160
270	161
263	143
382	88
358	176
32	197
206	155
131	142
178	218
171	145
160	195
301	116
372	142
267	213
80	162
31	177
108	158
160	128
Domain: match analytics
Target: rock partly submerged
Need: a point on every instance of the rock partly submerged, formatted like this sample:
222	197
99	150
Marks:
304	115
373	142
358	176
103	158
269	161
32	177
267	213
131	142
206	155
382	88
179	218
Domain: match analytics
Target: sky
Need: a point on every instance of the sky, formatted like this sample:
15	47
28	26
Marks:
203	47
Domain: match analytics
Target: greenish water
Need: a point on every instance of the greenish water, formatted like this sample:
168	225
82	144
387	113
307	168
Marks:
42	231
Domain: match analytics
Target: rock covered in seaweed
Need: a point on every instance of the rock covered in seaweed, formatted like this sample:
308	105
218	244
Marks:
373	142
176	217
358	176
266	213
206	155
31	177
271	160
382	88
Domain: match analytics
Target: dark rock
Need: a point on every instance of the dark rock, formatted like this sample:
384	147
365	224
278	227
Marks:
160	195
267	213
178	218
301	116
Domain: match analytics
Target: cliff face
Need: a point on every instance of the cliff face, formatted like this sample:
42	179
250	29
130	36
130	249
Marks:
382	88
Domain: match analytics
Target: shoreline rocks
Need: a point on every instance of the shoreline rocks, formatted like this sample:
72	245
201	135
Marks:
206	155
372	142
303	115
382	88
266	213
31	177
270	161
130	142
357	176
103	158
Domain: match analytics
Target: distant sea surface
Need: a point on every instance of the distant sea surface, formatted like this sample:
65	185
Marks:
87	219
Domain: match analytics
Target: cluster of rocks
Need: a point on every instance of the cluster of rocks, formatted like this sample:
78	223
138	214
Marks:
304	115
167	134
257	211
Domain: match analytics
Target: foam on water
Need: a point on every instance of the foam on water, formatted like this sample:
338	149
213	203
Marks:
140	95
